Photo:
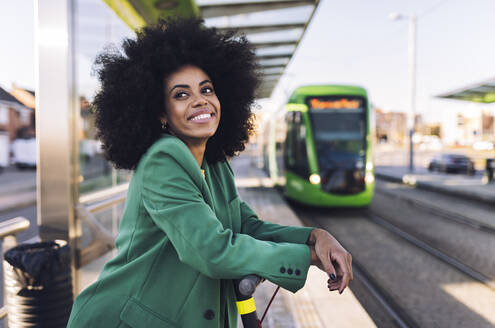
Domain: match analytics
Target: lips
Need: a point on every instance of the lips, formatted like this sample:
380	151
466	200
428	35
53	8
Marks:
201	115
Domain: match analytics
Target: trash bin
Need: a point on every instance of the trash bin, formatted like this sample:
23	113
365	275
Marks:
490	169
38	285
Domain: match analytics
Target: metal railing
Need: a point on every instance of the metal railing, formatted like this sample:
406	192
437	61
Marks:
8	235
102	240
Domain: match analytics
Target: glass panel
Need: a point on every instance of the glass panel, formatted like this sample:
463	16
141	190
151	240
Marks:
17	120
97	27
109	219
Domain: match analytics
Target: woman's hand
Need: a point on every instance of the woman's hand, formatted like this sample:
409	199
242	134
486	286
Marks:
331	257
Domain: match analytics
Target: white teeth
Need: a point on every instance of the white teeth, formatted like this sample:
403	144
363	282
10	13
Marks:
199	117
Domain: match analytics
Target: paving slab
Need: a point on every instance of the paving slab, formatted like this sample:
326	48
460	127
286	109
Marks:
312	306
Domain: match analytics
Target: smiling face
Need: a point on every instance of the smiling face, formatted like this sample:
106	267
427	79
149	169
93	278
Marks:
192	109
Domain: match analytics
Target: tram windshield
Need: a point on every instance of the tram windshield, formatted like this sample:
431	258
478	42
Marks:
339	131
339	136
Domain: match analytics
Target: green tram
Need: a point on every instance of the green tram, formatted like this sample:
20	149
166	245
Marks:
321	151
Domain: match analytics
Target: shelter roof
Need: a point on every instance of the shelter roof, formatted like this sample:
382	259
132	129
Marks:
481	92
275	27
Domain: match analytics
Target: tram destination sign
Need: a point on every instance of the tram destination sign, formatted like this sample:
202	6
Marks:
326	103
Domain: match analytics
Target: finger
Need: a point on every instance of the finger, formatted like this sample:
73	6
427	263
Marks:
345	281
350	267
348	261
336	281
327	265
344	266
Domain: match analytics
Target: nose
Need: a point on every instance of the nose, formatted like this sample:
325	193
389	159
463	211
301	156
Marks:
200	100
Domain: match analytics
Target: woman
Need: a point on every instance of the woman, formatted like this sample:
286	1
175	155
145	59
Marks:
173	107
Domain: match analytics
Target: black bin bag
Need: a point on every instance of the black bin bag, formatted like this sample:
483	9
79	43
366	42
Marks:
38	285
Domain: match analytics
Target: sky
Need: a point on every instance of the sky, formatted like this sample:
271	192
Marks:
355	42
347	42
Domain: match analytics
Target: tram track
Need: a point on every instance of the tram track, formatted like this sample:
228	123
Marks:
441	212
390	307
376	284
425	246
464	242
397	313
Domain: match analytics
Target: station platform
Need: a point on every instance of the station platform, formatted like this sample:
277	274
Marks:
313	305
459	185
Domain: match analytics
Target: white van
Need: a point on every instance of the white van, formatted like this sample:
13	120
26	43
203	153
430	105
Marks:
24	151
4	150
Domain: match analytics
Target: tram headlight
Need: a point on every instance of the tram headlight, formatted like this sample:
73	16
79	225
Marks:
314	178
369	166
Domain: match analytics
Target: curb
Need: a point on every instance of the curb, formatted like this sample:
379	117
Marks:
486	199
17	206
13	190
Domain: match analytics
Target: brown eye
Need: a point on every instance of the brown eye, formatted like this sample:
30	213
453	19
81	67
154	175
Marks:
207	90
180	94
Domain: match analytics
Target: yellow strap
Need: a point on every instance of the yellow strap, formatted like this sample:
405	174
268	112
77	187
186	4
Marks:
245	307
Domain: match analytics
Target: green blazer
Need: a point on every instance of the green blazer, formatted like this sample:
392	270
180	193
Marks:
182	239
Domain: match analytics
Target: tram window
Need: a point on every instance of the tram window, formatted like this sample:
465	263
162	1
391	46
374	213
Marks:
296	159
289	141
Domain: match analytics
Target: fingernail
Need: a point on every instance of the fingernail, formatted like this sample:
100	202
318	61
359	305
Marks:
332	276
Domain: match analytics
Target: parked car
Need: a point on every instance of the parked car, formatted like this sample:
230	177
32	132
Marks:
451	163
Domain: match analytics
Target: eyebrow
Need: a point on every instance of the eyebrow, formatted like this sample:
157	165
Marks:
187	86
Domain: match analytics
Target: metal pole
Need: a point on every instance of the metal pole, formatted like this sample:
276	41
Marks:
57	123
412	81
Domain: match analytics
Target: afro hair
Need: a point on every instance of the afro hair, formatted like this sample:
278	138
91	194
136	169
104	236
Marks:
131	100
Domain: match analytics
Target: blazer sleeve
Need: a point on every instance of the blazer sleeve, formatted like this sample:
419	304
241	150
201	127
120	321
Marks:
174	201
263	230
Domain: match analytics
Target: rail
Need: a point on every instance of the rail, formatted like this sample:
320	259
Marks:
102	240
8	235
13	226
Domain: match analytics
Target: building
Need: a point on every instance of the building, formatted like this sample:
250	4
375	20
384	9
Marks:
391	126
487	126
17	121
15	116
473	127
